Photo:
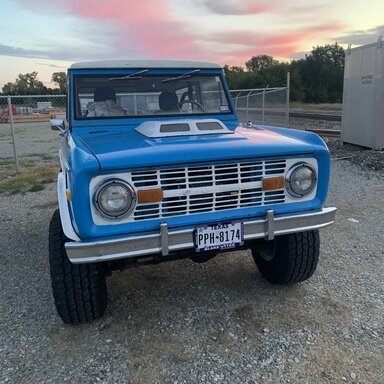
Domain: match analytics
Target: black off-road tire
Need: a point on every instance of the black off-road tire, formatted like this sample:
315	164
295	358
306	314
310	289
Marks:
289	258
79	290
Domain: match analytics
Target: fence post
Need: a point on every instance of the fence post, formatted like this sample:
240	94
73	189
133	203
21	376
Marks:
247	112
13	133
263	106
287	101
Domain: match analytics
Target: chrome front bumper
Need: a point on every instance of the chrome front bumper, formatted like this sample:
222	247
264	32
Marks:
166	241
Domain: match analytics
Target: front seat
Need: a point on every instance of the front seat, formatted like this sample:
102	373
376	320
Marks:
104	94
168	101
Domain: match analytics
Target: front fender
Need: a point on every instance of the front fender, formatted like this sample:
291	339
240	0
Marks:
65	216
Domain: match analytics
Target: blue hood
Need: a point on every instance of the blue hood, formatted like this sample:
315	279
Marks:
127	150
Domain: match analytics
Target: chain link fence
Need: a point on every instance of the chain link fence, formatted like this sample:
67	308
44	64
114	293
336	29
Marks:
266	106
26	139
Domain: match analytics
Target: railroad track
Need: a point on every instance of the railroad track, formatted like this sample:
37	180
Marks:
295	112
325	132
316	115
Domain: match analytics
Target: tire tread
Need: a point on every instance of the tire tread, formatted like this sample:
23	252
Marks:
79	290
295	260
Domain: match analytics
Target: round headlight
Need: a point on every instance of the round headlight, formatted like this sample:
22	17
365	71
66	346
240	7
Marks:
301	180
115	198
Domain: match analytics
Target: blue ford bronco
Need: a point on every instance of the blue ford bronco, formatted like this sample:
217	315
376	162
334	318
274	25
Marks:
155	166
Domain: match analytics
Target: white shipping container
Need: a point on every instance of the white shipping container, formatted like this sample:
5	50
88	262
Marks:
43	105
363	96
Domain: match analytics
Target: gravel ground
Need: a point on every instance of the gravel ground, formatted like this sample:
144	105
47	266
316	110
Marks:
365	158
218	322
31	139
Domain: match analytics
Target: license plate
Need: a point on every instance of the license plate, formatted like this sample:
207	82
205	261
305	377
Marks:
219	236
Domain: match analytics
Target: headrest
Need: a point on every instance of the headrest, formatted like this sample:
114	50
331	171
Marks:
104	94
168	101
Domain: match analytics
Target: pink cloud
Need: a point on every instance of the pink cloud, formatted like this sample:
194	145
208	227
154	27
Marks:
150	29
280	44
121	11
146	25
265	38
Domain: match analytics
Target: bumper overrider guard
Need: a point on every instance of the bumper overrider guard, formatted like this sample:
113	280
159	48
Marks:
166	241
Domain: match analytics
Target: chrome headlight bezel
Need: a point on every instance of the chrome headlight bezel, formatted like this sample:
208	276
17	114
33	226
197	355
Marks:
291	172
102	188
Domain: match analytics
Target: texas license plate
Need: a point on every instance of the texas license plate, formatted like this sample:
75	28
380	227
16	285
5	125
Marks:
219	236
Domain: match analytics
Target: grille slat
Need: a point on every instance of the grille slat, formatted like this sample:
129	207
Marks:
200	189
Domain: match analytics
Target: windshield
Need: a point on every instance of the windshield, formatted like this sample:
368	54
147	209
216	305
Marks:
140	94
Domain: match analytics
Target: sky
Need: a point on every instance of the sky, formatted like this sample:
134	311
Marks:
48	36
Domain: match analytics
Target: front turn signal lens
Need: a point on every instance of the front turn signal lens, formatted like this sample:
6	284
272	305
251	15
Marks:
273	183
150	196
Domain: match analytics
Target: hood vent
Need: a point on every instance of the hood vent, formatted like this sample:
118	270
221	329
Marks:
182	128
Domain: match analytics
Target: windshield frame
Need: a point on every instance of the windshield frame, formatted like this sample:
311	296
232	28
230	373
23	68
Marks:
176	73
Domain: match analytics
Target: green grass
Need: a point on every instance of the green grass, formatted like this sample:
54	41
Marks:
31	180
320	106
48	156
27	163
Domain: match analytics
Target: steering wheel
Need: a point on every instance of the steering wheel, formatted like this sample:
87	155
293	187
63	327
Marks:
182	102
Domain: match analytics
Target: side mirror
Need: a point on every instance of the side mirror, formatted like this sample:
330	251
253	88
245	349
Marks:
58	125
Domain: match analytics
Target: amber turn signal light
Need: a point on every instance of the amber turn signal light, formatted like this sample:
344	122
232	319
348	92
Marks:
150	195
272	183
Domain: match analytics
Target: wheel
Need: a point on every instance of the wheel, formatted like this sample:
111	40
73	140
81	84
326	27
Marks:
79	290
289	258
193	102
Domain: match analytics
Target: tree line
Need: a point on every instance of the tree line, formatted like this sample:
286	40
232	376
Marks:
29	84
317	78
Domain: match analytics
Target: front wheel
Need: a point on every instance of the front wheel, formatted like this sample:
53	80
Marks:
79	290
289	258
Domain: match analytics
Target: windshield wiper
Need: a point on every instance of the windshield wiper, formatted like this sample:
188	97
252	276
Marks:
131	76
183	76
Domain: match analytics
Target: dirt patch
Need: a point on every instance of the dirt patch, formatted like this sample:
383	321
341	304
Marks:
32	179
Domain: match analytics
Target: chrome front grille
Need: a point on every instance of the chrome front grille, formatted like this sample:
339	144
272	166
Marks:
208	188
